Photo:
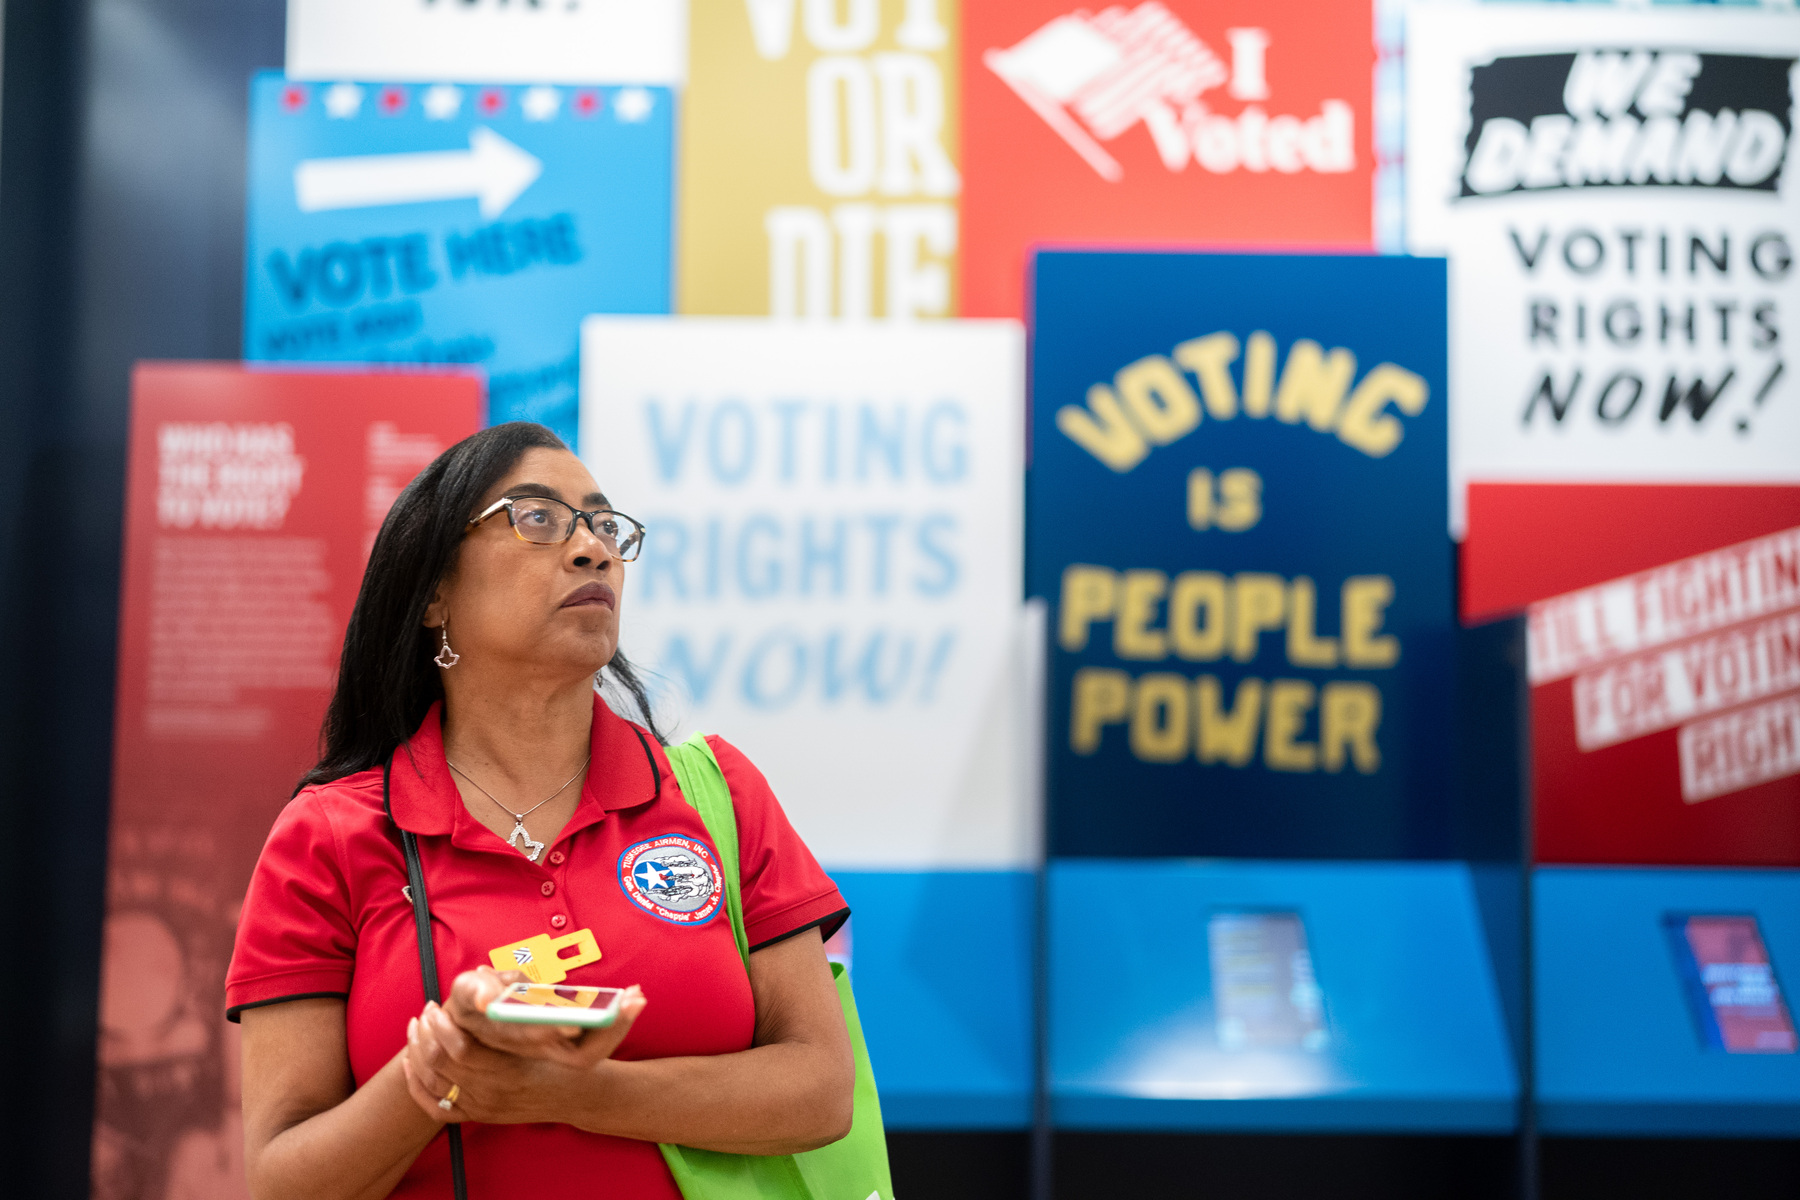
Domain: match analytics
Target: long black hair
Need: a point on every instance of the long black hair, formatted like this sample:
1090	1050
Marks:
386	680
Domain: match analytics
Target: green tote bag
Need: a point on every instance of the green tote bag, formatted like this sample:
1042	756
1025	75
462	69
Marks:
855	1168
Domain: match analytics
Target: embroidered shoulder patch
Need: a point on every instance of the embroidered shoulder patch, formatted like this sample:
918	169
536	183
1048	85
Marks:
674	877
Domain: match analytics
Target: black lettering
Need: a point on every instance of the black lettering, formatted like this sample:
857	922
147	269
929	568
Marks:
1529	257
1594	260
1543	321
1697	399
1697	246
1630	238
1630	322
1762	393
1724	308
1546	392
1780	256
1637	393
1668	322
1766	333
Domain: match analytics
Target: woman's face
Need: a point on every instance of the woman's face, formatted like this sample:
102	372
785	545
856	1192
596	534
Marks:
548	610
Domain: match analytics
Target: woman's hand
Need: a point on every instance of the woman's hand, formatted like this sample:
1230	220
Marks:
504	1073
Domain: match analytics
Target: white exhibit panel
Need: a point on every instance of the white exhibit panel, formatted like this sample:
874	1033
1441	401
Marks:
832	576
1618	197
489	41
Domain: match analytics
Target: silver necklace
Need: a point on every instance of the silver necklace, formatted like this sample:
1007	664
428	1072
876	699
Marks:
518	839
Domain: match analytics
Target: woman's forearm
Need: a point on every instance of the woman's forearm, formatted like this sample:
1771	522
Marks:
782	1098
356	1150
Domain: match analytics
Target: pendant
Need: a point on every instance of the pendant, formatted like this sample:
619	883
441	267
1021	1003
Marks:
530	849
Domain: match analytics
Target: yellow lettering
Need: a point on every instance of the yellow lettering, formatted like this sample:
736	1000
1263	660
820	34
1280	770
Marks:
1259	374
1365	601
1158	399
1088	595
1241	490
1260	604
1210	359
1227	737
1138	598
1200	499
1349	715
1364	425
1304	647
1102	430
1100	699
1289	702
1159	718
1313	384
1197	591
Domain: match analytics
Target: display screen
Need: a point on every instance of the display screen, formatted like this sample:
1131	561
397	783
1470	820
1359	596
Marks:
559	995
1731	984
1265	996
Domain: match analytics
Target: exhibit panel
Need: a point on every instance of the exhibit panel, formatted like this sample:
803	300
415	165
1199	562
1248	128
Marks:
1270	996
943	965
1664	1001
1237	511
458	225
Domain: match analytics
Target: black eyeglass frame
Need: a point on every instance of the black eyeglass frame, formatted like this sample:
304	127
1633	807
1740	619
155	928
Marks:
579	515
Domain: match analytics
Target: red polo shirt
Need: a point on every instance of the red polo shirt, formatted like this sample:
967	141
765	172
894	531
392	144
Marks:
325	916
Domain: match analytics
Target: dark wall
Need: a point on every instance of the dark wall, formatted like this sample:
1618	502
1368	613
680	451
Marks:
121	237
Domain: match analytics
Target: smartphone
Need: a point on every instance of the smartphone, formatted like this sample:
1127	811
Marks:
557	1004
1265	996
1730	983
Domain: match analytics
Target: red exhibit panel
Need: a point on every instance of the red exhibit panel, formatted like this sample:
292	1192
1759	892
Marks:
1665	709
251	501
1230	123
1530	541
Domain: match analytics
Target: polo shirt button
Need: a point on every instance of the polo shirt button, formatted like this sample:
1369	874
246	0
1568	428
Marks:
556	860
558	921
549	889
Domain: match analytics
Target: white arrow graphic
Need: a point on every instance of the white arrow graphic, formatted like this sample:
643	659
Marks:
492	171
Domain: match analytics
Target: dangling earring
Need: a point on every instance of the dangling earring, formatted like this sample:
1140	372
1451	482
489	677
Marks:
446	657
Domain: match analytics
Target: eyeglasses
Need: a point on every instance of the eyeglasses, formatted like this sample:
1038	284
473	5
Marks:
546	522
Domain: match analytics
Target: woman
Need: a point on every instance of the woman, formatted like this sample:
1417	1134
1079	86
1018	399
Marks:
489	607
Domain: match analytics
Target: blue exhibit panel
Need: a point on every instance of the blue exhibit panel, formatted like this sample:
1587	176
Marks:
941	963
1413	1038
1618	1047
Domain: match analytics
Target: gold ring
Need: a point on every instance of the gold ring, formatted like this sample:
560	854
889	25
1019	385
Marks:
449	1101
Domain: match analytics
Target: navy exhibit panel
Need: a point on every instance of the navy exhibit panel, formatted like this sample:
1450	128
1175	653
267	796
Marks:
446	225
1237	513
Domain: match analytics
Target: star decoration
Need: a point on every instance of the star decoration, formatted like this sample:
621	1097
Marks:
393	101
441	102
343	101
633	104
491	102
587	103
293	97
540	103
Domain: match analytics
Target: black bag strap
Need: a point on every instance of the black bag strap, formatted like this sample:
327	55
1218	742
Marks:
415	879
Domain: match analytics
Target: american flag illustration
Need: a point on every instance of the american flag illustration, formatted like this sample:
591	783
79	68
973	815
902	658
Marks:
1092	76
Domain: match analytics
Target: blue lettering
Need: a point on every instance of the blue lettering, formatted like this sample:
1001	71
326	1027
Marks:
881	529
932	549
699	677
664	555
830	555
669	451
765	579
754	689
872	439
944	463
788	413
735	472
878	690
934	666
